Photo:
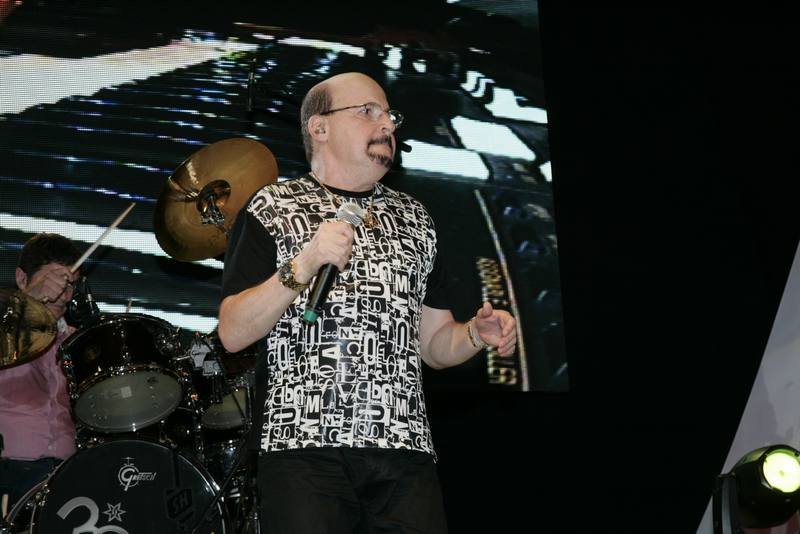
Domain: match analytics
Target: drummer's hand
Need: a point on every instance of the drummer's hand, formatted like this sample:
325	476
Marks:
51	284
333	243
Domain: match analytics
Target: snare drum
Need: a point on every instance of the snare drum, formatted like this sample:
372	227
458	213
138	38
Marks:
122	487
120	372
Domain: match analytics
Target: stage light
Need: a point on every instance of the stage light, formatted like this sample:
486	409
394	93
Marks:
762	490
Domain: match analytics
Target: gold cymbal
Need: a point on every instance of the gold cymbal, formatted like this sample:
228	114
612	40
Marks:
27	328
200	200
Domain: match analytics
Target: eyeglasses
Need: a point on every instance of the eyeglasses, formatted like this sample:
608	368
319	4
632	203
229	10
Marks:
373	112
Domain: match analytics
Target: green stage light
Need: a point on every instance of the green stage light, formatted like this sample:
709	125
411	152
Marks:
762	490
781	470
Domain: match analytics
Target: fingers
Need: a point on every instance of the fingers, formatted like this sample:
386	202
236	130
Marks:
506	345
508	342
485	311
508	324
50	283
338	243
498	329
489	317
509	332
508	349
332	244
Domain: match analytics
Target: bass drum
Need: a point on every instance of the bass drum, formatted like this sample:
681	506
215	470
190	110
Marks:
123	487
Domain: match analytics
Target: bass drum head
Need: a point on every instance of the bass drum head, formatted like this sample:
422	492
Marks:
127	487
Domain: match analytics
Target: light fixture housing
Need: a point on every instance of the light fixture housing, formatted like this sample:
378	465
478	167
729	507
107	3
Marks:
762	490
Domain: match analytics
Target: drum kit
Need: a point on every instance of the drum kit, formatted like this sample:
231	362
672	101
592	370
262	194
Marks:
162	417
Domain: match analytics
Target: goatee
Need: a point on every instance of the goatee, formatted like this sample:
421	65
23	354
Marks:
381	159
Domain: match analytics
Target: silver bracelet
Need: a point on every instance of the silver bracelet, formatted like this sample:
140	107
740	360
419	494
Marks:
474	338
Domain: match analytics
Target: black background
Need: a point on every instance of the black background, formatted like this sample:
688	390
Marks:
673	146
673	137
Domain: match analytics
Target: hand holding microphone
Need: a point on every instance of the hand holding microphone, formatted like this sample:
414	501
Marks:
330	251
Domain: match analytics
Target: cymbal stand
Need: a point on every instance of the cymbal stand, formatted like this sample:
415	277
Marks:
237	460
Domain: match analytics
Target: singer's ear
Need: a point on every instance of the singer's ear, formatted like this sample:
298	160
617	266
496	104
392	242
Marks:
318	128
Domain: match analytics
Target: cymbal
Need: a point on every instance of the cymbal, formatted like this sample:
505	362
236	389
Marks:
200	200
27	328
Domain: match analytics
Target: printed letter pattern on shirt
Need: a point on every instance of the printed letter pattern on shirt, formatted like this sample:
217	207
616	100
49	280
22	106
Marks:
353	378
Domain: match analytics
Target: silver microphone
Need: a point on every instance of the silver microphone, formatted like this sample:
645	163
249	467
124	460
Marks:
353	214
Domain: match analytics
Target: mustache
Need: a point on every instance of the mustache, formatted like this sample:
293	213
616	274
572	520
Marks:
382	140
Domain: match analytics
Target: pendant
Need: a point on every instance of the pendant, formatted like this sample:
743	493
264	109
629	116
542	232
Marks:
369	220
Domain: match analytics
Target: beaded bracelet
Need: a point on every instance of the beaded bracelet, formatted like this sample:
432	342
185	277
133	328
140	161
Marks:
474	338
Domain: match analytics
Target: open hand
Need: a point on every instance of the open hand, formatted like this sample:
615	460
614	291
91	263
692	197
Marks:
497	328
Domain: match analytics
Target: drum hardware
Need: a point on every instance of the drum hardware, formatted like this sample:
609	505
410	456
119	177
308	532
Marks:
18	517
247	500
199	202
124	352
81	309
5	528
220	379
219	387
214	370
168	342
214	193
224	384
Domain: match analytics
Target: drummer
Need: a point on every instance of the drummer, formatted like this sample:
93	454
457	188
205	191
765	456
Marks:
35	419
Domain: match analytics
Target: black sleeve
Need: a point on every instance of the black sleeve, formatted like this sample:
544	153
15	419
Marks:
250	257
436	288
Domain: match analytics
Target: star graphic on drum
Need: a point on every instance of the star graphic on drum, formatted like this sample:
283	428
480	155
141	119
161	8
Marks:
114	512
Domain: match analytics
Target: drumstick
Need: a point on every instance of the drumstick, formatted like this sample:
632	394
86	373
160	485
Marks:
100	239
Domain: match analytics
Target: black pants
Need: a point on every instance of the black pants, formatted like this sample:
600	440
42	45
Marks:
18	476
344	490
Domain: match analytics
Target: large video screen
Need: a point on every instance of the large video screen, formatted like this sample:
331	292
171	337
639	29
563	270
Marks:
102	102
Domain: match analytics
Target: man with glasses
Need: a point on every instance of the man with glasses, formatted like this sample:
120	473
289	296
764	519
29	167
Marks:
345	441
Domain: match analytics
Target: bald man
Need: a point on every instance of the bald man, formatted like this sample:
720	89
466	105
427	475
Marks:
345	440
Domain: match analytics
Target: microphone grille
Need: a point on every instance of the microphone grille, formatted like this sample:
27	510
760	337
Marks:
351	213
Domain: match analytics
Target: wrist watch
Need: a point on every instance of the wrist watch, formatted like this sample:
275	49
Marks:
286	276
